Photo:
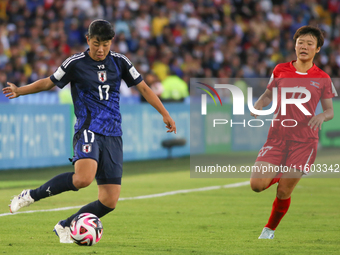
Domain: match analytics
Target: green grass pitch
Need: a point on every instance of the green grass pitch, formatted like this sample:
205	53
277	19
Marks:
219	221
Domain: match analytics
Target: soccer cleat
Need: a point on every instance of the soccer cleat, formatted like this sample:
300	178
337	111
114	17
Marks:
22	200
63	233
267	233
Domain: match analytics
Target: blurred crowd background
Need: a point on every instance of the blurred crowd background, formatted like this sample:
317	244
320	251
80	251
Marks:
168	41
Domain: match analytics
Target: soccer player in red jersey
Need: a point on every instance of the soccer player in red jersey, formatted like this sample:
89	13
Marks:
292	138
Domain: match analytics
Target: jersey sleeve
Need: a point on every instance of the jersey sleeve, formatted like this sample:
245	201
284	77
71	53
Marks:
62	76
272	83
129	73
329	90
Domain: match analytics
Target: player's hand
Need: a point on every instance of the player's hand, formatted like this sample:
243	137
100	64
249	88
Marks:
316	122
170	124
257	107
11	91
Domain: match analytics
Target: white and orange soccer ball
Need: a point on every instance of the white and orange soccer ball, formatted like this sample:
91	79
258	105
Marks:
86	229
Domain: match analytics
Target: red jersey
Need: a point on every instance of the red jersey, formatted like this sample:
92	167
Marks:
320	86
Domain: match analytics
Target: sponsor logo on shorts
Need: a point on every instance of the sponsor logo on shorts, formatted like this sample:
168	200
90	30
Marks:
87	148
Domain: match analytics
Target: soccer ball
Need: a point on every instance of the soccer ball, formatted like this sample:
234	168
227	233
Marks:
86	229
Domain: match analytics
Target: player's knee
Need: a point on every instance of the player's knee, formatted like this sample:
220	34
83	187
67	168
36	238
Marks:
109	202
256	185
283	193
81	183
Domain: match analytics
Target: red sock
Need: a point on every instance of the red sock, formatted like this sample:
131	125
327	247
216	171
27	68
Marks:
275	180
280	207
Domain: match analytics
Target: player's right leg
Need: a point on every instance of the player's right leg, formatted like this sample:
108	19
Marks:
60	183
263	176
86	157
22	200
266	170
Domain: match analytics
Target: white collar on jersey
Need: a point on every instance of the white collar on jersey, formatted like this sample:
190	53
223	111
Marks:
301	73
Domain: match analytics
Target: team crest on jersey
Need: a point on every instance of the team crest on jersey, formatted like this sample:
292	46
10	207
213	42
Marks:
87	148
315	84
102	76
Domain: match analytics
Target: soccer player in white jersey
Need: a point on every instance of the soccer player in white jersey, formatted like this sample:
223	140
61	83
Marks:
292	147
95	76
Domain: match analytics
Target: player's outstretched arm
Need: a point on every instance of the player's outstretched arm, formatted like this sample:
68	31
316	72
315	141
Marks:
263	101
40	85
153	99
327	114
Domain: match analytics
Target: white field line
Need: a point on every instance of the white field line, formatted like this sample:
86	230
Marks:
169	193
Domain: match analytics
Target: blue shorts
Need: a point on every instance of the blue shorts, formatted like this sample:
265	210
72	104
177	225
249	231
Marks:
106	150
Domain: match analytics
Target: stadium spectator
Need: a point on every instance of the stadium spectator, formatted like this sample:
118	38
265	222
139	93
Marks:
124	24
3	57
174	89
70	5
258	26
74	36
193	26
159	21
96	11
143	25
3	80
161	68
275	16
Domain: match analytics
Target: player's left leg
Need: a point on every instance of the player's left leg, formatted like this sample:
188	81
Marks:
299	156
85	171
108	195
281	203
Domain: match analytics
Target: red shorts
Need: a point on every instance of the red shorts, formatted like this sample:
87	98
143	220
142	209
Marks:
289	153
